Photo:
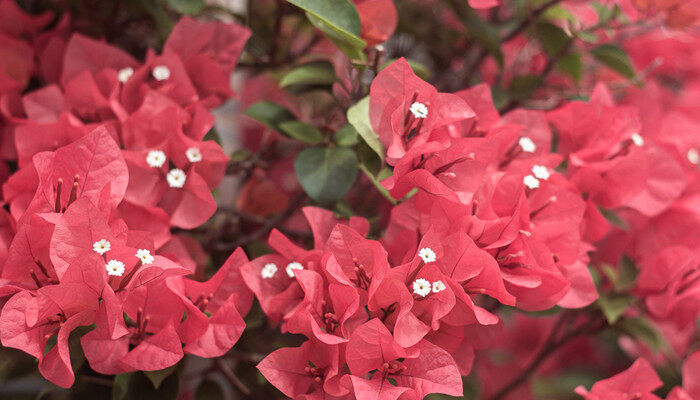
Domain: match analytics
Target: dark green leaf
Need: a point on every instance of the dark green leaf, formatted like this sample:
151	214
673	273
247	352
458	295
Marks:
346	136
521	87
157	377
339	20
326	174
369	158
270	114
358	117
572	65
552	37
315	73
189	7
615	58
209	390
613	218
240	155
614	306
302	131
640	329
136	386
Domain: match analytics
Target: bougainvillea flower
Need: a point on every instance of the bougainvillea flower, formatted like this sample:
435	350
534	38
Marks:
423	369
295	371
404	109
638	381
80	169
378	18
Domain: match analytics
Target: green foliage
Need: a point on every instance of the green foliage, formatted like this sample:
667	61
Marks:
188	7
270	114
302	131
157	377
614	306
136	386
642	330
313	73
326	174
358	117
615	58
339	20
346	136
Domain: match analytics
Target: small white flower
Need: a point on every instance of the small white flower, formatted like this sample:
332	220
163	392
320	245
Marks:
427	254
291	267
693	156
438	287
637	139
155	158
115	268
176	178
531	182
527	144
540	172
161	73
419	110
193	154
125	74
101	246
145	256
269	270
421	287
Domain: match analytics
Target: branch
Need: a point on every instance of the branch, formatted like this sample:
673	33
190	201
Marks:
231	376
552	344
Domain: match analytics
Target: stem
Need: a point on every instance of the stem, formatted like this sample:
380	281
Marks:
231	376
378	185
552	344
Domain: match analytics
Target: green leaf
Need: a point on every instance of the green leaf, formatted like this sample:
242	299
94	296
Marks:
358	117
302	131
189	7
270	114
136	386
240	155
572	65
642	330
346	136
326	174
613	218
521	87
615	58
157	377
209	390
120	389
552	37
376	182
339	20
614	306
314	73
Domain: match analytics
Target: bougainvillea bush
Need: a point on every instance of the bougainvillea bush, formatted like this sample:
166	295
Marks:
335	199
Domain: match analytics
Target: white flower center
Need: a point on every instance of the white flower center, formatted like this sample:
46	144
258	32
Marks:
176	178
291	267
115	268
269	270
527	144
125	74
637	139
693	156
531	182
438	287
101	246
419	110
161	73
427	254
421	287
145	256
193	154
540	172
155	158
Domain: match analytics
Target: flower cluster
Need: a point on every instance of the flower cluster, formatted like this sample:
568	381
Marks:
110	154
491	210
